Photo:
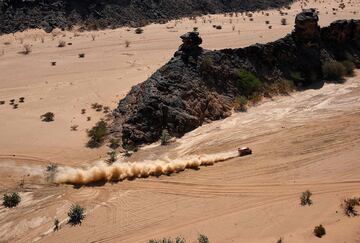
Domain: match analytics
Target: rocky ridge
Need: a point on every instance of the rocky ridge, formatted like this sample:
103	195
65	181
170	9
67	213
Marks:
18	15
198	85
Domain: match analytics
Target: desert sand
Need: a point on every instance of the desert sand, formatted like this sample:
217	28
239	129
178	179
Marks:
308	140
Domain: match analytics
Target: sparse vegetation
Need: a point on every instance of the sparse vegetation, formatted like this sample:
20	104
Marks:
127	43
165	137
62	43
349	67
97	134
246	82
56	224
112	157
349	206
203	239
333	70
169	240
47	117
305	198
241	103
114	143
76	215
139	31
74	128
319	231
11	200
27	49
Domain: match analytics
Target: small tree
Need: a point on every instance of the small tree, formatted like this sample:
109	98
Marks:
47	117
246	82
319	231
305	198
203	239
11	200
97	134
165	137
76	214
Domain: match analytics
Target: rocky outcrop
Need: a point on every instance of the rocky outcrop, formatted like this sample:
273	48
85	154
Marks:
198	86
18	15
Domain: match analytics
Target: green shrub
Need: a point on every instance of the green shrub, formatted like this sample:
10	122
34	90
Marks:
97	134
11	200
319	231
203	239
47	117
165	137
241	103
305	198
76	214
246	82
333	70
349	206
349	67
206	65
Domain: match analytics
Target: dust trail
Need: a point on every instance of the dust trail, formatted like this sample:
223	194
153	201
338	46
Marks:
123	170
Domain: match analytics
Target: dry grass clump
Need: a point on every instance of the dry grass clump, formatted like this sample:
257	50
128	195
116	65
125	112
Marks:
27	49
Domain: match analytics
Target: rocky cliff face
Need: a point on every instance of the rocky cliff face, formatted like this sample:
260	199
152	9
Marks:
18	15
198	85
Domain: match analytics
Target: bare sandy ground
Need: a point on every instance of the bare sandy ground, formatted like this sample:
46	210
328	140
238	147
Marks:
309	140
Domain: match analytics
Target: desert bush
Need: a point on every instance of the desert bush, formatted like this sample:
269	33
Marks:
76	214
56	224
349	206
2	102
81	55
15	106
139	31
12	101
74	128
241	103
114	143
349	67
62	43
11	200
27	49
127	43
333	70
47	117
267	22
283	21
165	137
83	111
246	82
305	198
218	27
178	239
97	134
206	65
319	231
279	240
203	239
112	157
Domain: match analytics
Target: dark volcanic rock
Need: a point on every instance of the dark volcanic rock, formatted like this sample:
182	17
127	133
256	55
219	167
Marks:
18	15
198	86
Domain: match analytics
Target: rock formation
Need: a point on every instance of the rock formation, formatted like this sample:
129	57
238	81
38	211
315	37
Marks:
18	15
198	86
